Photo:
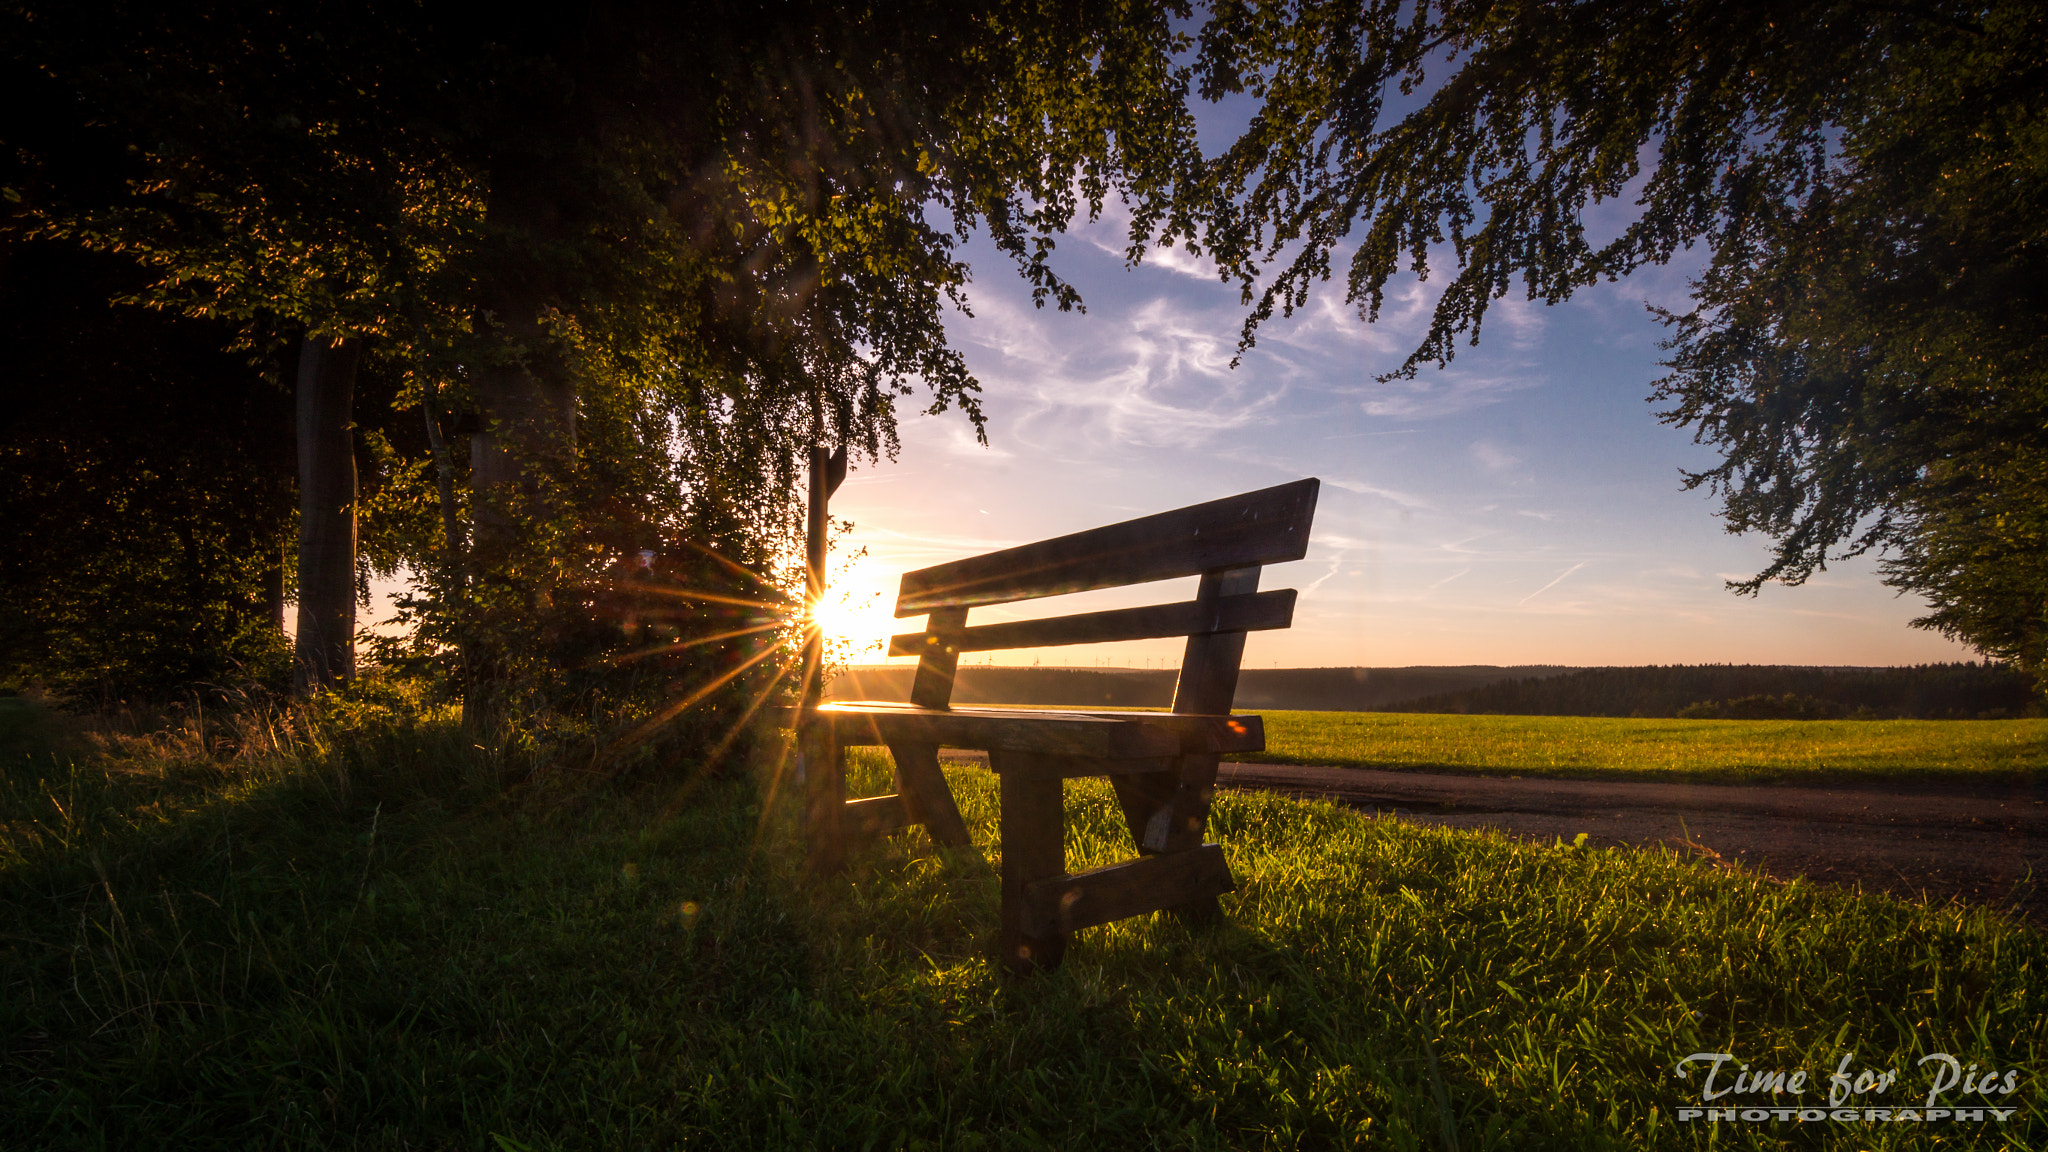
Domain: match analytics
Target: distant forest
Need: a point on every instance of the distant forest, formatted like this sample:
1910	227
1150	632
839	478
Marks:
1733	691
1311	689
1750	691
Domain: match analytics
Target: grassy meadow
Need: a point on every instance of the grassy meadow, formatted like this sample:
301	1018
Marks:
356	931
1734	751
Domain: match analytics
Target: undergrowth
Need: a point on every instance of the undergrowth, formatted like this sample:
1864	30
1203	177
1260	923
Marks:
358	929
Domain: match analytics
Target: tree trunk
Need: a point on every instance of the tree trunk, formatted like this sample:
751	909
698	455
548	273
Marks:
529	430
527	444
525	391
325	655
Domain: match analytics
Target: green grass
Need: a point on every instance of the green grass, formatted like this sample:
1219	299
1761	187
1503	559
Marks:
352	935
1725	750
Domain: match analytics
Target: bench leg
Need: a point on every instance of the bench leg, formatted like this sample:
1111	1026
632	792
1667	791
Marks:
923	788
1147	801
1034	848
1184	827
1191	800
1167	812
824	800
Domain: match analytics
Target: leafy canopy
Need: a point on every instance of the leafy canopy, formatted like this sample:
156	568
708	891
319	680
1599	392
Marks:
1869	181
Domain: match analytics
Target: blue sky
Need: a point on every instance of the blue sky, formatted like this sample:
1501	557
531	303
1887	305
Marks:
1522	506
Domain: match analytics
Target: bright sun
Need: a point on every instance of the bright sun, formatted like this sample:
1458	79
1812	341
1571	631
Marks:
857	621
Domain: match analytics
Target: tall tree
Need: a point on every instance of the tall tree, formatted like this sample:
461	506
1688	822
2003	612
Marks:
1866	349
324	649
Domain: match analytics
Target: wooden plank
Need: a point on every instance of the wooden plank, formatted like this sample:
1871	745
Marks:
1054	733
1262	612
1269	526
1065	904
874	816
923	787
1034	849
940	661
889	722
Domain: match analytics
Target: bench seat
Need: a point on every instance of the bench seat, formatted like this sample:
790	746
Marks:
1094	735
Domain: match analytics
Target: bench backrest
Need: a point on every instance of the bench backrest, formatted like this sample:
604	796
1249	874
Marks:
1223	541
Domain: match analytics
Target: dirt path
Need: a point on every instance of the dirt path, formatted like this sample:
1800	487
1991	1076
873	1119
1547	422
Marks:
1980	843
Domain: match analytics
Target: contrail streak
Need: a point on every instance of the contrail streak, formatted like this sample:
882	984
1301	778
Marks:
1553	583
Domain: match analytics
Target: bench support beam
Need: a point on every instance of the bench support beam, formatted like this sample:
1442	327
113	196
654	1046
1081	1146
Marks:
923	788
1098	896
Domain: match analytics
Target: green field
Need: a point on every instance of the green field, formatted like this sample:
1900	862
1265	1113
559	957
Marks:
354	934
1730	750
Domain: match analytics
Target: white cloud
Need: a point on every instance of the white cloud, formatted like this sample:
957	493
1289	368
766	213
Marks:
1186	263
1524	319
1110	233
1493	457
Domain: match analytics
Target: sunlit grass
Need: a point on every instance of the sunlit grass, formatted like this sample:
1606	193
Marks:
1789	750
370	945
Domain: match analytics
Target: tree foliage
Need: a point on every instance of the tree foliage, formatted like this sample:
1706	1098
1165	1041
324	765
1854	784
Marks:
636	258
144	491
1868	179
732	194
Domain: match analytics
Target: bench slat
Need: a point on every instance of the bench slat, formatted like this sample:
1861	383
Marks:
1262	612
1269	526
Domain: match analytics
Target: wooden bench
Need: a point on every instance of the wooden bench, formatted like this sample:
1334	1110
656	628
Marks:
1162	765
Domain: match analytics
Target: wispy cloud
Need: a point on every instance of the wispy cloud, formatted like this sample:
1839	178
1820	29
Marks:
1493	457
1110	233
1162	377
1525	320
1434	393
1404	499
1180	260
